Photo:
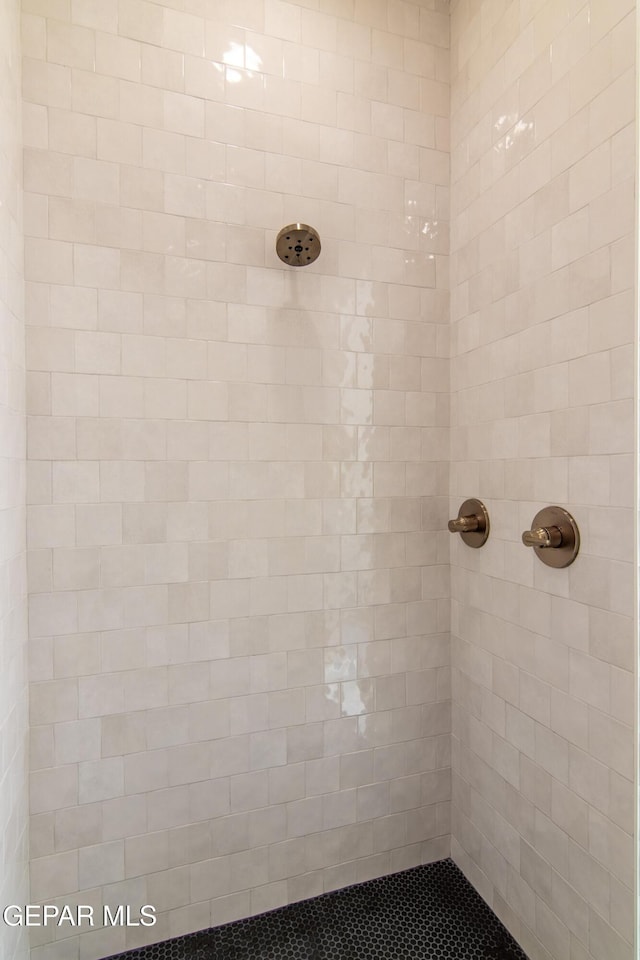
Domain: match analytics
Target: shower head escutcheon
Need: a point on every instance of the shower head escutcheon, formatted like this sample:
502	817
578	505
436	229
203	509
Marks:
298	245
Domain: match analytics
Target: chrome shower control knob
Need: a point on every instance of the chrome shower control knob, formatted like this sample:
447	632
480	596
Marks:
554	536
472	523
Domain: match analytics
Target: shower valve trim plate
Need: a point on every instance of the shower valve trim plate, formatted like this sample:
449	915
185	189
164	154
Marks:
472	523
554	536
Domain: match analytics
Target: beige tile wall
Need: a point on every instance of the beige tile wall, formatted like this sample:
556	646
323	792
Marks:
543	321
238	471
13	581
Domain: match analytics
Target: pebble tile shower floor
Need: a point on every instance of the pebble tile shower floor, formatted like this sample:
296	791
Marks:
427	913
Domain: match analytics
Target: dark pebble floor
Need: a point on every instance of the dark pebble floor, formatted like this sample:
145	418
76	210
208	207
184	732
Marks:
427	913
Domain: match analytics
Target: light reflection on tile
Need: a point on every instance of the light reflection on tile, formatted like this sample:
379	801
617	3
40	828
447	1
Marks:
339	663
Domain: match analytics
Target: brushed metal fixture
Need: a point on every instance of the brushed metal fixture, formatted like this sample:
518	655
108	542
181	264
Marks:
554	536
472	523
298	245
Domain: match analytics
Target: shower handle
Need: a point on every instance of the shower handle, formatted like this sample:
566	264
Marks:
543	537
472	523
464	524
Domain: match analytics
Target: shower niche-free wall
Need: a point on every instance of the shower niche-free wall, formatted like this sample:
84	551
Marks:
543	376
239	475
238	472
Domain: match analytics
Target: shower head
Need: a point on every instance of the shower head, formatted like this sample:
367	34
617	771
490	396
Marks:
298	245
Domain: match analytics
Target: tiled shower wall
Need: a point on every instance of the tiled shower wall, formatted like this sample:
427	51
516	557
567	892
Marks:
13	586
543	167
238	470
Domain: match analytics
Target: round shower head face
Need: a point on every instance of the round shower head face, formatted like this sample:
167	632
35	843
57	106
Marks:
298	245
